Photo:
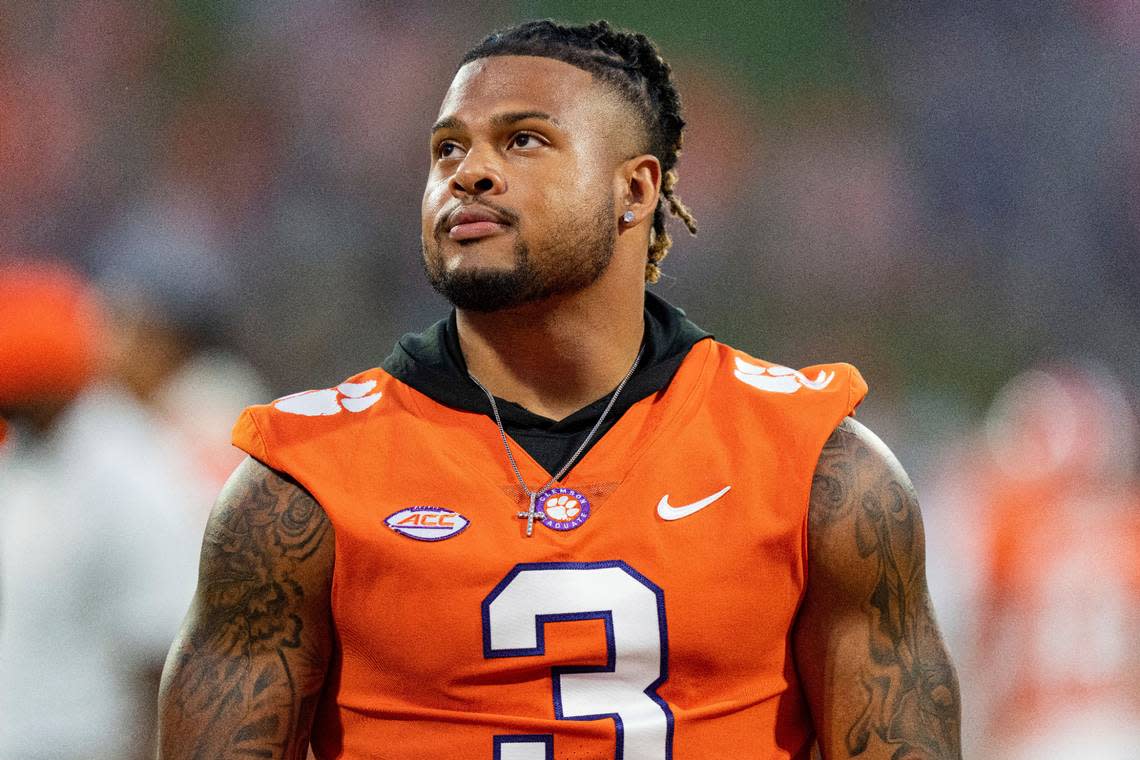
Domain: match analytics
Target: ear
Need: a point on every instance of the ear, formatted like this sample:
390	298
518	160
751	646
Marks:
639	187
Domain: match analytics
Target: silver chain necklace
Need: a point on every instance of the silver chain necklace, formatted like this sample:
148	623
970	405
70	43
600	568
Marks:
532	512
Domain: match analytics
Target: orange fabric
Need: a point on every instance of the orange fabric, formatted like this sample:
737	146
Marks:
1059	613
418	674
50	333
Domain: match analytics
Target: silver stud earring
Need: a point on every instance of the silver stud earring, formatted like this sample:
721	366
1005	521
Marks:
627	217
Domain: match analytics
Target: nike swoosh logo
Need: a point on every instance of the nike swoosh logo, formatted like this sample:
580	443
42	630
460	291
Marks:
666	512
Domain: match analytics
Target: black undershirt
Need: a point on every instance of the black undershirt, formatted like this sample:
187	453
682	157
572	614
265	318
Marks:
433	364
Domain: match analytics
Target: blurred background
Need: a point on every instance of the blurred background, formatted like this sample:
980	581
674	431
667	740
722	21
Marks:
227	192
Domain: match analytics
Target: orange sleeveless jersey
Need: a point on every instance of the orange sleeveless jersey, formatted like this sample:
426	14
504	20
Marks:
657	628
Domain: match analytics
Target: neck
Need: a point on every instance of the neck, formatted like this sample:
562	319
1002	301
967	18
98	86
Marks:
555	356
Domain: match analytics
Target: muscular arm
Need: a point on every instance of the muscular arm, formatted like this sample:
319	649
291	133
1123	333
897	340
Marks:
244	674
871	658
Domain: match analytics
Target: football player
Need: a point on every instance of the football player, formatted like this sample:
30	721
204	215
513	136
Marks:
564	522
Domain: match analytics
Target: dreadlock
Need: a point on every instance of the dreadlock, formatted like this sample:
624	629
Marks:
630	63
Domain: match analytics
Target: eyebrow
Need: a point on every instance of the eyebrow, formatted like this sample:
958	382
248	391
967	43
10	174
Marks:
498	120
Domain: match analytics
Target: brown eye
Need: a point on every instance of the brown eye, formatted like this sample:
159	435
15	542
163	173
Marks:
525	140
447	150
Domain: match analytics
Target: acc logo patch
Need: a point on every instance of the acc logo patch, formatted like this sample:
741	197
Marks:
427	523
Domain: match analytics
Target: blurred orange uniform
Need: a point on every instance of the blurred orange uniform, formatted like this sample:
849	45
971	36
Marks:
657	628
1060	616
1051	657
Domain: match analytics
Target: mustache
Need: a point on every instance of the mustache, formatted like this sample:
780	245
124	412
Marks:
510	217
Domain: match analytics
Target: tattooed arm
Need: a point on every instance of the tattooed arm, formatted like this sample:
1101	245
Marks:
871	658
244	675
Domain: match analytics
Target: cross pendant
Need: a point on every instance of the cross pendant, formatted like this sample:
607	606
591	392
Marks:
530	514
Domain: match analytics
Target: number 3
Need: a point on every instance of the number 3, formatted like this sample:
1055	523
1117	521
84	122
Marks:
515	615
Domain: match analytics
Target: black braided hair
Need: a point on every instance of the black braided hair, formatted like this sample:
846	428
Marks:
629	62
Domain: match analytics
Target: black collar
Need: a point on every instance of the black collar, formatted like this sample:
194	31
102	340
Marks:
432	363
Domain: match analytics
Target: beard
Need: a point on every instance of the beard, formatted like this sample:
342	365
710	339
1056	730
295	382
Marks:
567	262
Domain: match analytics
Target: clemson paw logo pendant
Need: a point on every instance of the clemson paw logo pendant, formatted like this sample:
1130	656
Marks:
563	508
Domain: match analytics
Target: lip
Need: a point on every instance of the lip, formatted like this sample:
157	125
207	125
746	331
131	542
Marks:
472	222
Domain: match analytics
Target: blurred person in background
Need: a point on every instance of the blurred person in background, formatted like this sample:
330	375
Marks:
99	507
1045	540
167	287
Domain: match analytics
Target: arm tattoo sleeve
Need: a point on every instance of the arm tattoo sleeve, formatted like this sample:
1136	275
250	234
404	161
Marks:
909	699
244	677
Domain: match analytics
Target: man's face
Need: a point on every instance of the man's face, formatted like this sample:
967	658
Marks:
519	203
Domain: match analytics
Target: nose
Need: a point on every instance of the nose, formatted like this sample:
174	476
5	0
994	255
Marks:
476	176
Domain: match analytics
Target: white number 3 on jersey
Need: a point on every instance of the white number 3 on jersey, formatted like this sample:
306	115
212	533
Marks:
632	608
